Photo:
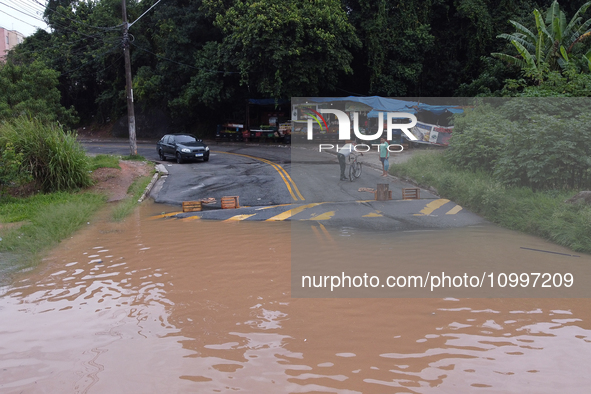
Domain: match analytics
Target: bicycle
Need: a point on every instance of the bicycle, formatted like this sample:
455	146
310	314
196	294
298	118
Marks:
354	168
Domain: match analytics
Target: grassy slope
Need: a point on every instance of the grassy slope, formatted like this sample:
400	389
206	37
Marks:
542	213
49	218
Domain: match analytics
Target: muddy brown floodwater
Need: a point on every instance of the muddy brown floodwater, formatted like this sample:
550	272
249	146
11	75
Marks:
170	306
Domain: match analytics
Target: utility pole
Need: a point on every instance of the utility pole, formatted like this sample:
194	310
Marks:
129	86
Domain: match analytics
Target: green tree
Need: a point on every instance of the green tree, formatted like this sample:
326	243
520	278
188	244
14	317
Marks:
85	48
174	51
284	48
396	37
31	89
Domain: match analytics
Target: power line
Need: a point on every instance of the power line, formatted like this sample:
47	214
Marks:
183	64
154	5
101	56
27	6
22	12
20	20
39	19
81	23
62	44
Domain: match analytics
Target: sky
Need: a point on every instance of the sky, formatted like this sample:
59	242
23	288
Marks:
24	16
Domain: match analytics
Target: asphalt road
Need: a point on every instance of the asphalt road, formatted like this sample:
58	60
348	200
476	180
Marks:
275	183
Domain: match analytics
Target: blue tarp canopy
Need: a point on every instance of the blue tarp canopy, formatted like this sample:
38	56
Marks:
383	104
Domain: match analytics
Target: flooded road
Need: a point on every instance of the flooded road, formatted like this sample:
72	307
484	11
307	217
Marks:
194	306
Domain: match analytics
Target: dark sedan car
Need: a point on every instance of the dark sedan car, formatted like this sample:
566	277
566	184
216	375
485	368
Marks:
183	147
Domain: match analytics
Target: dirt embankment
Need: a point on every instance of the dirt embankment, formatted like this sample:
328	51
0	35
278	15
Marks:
115	182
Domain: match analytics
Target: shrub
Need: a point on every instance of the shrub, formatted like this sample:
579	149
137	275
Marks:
11	168
539	143
53	156
541	213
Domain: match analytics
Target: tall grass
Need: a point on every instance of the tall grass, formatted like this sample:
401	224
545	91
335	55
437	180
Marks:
54	157
519	208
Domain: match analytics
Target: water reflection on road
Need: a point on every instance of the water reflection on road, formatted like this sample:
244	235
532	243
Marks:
155	306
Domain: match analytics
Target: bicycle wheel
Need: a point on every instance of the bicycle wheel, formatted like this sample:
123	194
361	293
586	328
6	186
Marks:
351	172
357	170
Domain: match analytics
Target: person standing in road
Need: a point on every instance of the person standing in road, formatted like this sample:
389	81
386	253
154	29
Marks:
384	155
343	154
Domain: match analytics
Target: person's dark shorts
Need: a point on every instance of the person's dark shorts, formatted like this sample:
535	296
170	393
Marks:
382	159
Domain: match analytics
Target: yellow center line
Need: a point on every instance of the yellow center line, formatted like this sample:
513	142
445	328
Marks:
238	218
284	175
277	166
454	210
433	205
291	212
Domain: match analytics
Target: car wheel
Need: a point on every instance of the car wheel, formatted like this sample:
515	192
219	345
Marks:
161	155
206	158
179	159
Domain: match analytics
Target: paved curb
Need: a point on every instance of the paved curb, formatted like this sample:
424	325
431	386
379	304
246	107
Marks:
161	171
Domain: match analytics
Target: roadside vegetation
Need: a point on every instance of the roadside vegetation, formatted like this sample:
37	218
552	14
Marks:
43	220
103	161
526	203
43	176
515	160
48	153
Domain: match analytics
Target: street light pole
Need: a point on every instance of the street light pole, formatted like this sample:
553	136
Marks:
129	86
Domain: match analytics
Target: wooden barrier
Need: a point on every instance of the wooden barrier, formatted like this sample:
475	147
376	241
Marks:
411	193
192	206
230	202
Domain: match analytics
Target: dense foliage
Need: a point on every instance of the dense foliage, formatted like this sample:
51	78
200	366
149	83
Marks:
199	60
12	171
31	89
52	156
557	44
542	213
541	143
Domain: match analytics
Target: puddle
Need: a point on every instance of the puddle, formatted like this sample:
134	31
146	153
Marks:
169	306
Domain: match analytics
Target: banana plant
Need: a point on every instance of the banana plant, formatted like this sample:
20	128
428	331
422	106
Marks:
552	43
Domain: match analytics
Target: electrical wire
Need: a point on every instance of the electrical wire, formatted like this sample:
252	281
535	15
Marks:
20	20
28	6
182	64
101	56
154	5
39	19
81	23
22	12
353	93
